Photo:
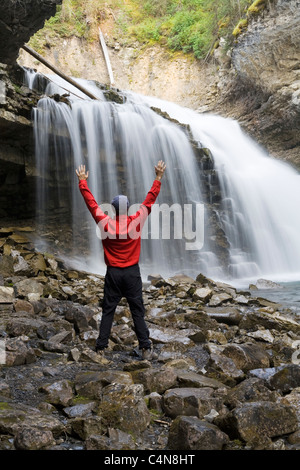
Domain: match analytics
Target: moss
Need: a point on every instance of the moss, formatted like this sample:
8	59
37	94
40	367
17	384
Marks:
256	6
80	400
5	406
242	24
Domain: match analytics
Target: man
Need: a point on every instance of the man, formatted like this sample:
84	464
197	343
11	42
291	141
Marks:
121	240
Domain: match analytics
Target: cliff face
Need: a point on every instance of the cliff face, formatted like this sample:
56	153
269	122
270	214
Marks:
19	21
259	85
264	91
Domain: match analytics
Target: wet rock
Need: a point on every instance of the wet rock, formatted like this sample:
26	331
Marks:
6	265
224	369
88	355
269	321
4	388
90	384
83	409
84	427
23	306
191	433
155	402
6	295
191	402
286	378
23	324
267	284
252	389
252	422
191	379
116	440
170	335
202	294
227	315
18	352
247	356
28	286
292	399
219	298
262	335
21	267
124	407
14	416
155	380
31	438
58	393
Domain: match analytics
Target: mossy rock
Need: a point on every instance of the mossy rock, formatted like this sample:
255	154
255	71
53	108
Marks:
256	6
240	27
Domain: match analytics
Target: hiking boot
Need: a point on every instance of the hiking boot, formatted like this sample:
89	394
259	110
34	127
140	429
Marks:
100	352
148	354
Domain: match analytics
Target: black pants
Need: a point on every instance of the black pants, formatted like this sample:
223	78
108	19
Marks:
123	282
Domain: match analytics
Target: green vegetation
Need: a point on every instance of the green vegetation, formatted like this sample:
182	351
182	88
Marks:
194	26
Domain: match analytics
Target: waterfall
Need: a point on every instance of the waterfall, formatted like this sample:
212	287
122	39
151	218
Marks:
121	143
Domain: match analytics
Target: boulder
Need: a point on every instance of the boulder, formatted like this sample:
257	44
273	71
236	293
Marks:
18	352
32	438
247	356
84	427
124	407
202	294
6	295
191	433
252	389
28	286
15	416
271	321
155	380
191	401
286	378
192	379
59	393
116	440
224	369
257	422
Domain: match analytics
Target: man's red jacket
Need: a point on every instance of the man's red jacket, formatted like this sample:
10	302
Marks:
121	237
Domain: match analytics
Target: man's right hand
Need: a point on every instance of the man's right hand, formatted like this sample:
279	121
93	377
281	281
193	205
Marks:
82	175
159	170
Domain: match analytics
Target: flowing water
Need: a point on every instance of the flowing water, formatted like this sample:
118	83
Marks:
121	143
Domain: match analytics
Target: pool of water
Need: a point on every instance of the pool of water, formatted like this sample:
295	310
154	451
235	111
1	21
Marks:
288	295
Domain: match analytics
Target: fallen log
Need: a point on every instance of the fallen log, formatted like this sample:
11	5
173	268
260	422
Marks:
58	72
106	57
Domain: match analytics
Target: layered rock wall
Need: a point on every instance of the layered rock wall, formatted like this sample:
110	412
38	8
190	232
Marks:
264	92
19	21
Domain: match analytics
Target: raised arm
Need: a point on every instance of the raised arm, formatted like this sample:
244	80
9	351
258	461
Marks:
81	173
88	197
159	170
155	189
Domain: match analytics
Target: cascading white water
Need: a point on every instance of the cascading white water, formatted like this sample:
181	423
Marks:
260	195
119	144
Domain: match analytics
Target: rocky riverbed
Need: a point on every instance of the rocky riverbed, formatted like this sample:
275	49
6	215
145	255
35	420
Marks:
226	378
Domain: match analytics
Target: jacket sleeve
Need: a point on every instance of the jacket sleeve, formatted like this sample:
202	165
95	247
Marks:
139	218
90	201
152	195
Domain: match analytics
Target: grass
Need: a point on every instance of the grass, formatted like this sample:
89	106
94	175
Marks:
193	26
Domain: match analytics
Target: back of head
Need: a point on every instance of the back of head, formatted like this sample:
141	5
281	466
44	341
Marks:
121	204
